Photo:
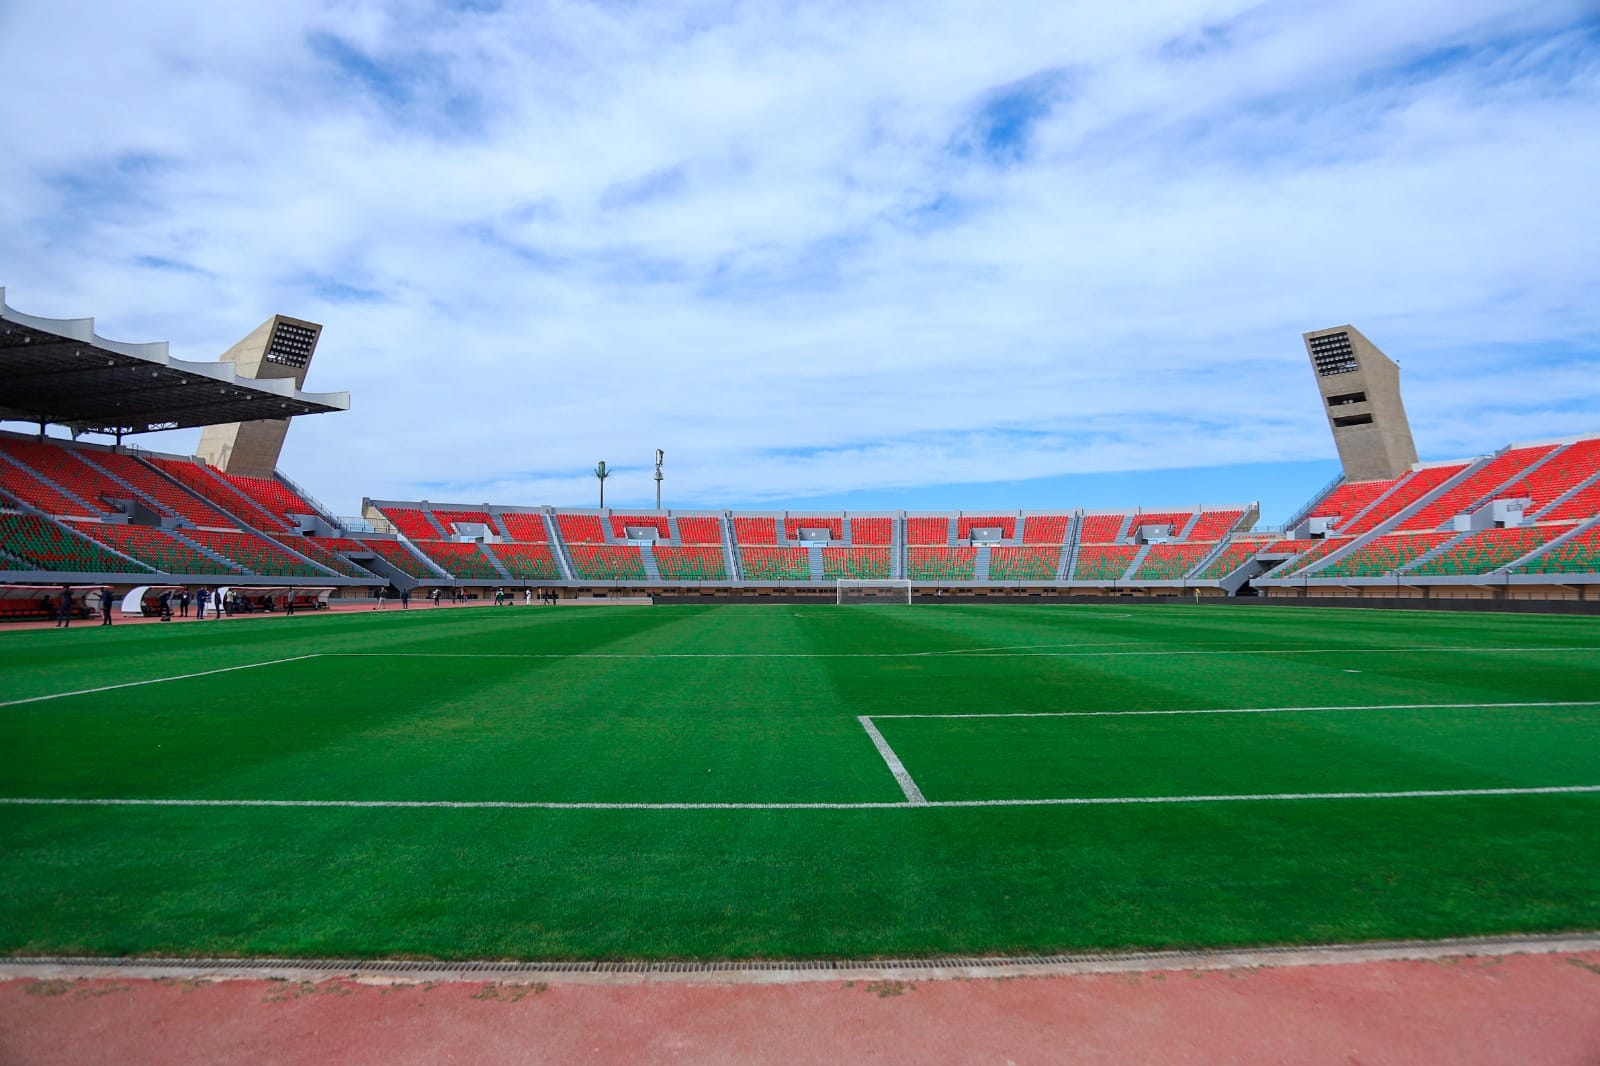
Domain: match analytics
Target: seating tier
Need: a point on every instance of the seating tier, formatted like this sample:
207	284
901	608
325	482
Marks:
460	560
774	564
965	524
607	562
1317	550
410	521
1412	488
528	562
580	528
155	547
941	564
23	485
1585	503
1212	526
1027	562
399	556
1384	555
761	529
1487	550
270	493
1103	562
253	553
1475	487
1169	562
1571	466
793	524
871	529
1349	497
525	528
320	551
1176	519
450	519
43	546
1232	558
866	563
1579	555
1046	528
62	468
1100	528
923	529
209	483
169	496
700	529
692	563
658	522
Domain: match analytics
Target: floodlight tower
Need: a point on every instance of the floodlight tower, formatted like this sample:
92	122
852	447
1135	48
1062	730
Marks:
281	347
1360	389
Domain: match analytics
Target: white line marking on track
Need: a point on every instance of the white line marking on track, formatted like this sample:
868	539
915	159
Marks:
896	767
159	680
1249	710
1075	801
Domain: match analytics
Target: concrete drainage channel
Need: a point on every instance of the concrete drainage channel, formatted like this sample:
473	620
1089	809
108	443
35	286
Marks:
776	971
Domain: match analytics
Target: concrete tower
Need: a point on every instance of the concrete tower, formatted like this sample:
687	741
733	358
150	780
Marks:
1360	389
280	347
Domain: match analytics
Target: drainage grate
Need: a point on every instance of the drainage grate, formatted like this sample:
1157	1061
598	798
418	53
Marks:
1586	941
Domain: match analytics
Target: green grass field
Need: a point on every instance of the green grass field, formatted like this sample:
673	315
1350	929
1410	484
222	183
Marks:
720	781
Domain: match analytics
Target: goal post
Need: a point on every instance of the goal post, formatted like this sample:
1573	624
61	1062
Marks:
851	590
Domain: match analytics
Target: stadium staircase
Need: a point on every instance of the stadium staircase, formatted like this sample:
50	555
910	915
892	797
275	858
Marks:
647	555
980	564
1069	551
1136	562
495	561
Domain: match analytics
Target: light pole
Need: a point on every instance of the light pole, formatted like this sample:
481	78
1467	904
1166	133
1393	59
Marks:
660	455
602	473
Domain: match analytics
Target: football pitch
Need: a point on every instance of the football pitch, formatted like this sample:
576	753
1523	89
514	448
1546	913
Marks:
769	781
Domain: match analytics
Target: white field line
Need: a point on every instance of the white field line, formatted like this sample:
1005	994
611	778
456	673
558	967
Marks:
1250	710
1075	801
158	680
896	767
974	652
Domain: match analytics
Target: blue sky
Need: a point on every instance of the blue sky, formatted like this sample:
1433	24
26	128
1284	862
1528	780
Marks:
922	255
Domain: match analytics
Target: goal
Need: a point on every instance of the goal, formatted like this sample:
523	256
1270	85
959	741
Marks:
855	590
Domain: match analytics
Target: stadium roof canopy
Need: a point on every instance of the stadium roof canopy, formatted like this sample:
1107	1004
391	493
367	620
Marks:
59	371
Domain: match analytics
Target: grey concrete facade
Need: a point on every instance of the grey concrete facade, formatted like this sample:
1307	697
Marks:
1360	389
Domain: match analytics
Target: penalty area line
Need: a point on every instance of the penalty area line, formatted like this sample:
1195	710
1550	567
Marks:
1253	710
157	680
914	794
1073	801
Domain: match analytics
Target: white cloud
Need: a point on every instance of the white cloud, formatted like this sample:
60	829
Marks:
807	248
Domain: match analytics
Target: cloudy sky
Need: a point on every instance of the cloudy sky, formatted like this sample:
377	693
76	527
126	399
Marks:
872	255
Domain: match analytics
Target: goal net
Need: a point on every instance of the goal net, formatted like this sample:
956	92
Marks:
855	590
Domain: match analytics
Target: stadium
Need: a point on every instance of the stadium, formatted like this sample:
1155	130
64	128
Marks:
1518	526
1002	678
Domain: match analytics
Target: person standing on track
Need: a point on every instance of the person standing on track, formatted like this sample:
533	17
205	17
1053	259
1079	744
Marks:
64	607
105	605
